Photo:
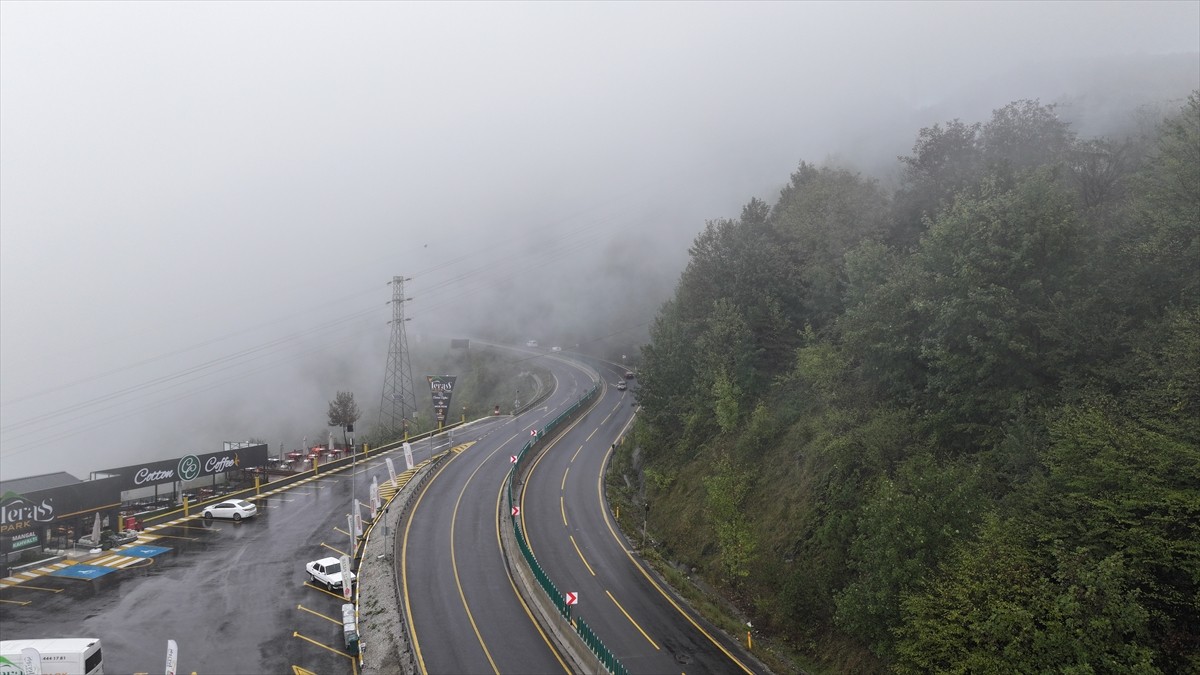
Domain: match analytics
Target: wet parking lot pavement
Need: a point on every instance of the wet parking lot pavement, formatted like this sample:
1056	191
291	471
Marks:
233	595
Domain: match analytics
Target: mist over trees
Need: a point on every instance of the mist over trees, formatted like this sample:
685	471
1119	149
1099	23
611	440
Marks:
949	426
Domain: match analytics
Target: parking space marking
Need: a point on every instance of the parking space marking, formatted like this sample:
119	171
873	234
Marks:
313	611
323	646
335	550
326	591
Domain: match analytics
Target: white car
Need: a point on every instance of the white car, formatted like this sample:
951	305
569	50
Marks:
327	571
556	349
237	509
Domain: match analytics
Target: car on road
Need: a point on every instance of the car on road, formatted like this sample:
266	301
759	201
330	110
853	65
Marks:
556	349
327	572
621	386
236	509
629	374
531	343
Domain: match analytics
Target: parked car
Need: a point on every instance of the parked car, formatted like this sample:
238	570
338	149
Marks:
327	572
237	509
629	374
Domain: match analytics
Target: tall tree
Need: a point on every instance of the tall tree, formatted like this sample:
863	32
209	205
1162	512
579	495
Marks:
343	412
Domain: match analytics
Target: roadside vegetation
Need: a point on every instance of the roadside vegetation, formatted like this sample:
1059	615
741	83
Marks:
487	377
953	426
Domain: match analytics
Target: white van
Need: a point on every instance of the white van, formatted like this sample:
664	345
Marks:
65	656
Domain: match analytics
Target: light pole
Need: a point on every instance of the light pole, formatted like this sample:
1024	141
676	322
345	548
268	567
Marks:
349	429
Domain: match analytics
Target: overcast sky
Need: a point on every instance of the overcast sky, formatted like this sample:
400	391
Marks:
201	204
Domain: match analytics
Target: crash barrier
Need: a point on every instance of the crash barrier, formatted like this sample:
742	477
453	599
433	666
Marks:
585	633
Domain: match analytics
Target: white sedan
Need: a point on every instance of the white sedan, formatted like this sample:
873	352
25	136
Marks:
236	509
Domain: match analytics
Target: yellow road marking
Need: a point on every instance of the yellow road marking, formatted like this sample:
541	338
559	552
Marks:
335	550
404	570
326	591
562	506
512	582
585	562
454	566
635	624
327	618
327	647
39	588
563	487
17	602
297	670
633	561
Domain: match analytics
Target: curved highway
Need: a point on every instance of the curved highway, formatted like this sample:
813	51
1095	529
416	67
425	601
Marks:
462	608
568	525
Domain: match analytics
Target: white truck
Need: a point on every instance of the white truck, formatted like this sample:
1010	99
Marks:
57	656
328	572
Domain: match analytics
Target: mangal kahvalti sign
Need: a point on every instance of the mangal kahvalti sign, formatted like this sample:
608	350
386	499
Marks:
441	387
188	467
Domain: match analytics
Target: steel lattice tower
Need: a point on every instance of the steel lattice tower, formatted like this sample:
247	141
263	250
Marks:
399	401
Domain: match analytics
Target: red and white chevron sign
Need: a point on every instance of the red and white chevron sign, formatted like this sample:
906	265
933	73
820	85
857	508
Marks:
533	432
572	598
512	459
516	511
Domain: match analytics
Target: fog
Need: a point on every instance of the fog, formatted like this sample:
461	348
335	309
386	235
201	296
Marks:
202	204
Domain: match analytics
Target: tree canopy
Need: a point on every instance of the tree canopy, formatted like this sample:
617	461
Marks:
953	427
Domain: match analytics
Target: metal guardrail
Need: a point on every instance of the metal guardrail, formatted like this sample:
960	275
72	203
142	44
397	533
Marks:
578	625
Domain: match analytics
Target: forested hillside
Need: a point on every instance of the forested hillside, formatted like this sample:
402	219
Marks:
954	426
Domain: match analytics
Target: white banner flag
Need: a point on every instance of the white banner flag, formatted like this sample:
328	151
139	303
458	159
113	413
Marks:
391	469
172	657
374	498
408	459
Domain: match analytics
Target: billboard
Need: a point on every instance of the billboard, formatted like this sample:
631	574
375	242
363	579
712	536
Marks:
441	387
188	467
22	515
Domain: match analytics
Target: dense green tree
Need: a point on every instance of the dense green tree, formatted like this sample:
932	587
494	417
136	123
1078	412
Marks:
907	523
997	272
1007	603
1014	332
820	215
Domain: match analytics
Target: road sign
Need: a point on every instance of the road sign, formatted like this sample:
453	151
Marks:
516	511
533	432
512	459
572	598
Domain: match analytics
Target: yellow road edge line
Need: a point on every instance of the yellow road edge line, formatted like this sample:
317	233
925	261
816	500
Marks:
585	562
635	624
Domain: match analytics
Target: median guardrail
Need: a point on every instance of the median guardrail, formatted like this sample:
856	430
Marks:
578	627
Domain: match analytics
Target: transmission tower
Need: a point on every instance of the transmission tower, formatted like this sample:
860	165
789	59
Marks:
399	401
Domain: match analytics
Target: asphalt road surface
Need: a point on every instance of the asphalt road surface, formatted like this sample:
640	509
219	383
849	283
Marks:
570	529
463	610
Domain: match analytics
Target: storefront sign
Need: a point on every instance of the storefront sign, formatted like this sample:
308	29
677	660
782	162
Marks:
188	467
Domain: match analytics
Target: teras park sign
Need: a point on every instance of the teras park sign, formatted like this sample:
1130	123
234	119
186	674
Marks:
441	387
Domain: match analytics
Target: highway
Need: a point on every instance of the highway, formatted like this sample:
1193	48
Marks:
464	612
570	529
